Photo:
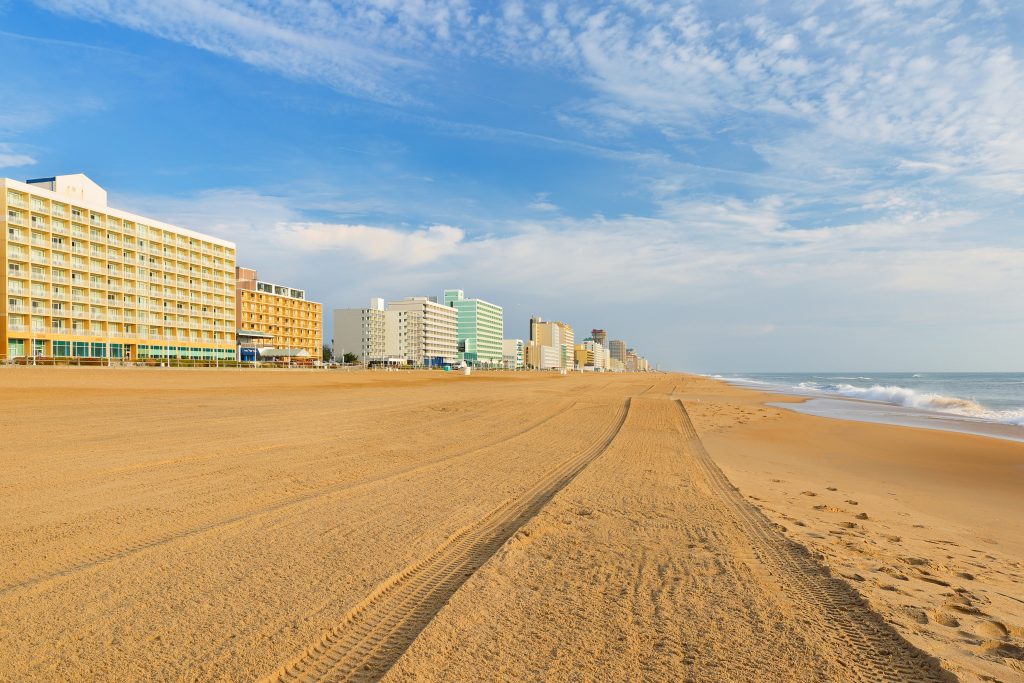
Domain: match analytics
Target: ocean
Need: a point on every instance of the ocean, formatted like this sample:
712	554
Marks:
961	397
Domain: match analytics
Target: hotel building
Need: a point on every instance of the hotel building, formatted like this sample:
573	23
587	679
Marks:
480	331
82	279
292	323
513	351
361	332
557	335
422	331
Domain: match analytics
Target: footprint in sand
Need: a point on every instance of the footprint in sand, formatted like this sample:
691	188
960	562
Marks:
862	515
832	488
852	502
993	630
808	493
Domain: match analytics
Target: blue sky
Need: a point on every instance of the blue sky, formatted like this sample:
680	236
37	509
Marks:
729	186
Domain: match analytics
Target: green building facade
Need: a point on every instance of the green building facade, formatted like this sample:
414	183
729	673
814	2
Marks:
481	329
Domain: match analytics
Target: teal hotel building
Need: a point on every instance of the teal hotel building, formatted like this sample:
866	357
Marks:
480	331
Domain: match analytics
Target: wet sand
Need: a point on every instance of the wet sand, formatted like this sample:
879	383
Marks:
294	525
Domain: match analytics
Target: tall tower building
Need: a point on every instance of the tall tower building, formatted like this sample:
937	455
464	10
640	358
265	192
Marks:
617	347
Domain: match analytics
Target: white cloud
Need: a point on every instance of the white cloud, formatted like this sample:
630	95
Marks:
374	243
9	158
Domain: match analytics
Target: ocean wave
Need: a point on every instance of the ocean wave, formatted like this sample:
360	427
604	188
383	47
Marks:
902	396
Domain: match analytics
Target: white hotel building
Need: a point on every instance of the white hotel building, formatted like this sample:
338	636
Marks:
83	279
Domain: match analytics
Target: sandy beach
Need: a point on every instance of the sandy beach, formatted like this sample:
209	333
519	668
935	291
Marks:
297	525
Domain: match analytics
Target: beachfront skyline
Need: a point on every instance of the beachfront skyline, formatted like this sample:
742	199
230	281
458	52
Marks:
779	189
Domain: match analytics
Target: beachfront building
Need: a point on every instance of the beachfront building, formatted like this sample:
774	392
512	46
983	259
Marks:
425	332
635	363
83	279
361	332
590	355
293	323
617	348
541	357
480	329
512	351
599	336
556	334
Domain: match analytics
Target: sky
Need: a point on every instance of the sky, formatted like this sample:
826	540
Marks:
728	186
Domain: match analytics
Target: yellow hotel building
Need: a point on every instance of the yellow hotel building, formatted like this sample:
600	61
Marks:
82	279
280	314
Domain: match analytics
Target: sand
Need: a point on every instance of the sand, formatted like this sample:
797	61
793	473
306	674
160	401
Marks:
301	525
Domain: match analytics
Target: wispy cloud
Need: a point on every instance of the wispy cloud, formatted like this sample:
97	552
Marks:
9	158
540	203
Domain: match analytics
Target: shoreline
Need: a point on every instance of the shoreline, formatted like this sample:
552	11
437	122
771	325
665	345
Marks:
927	525
870	411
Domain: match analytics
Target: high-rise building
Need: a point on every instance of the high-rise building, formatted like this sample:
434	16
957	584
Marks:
361	332
480	328
556	334
427	329
293	323
600	336
83	279
617	347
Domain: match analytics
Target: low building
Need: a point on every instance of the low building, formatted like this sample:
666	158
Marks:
512	353
591	355
251	343
295	323
542	357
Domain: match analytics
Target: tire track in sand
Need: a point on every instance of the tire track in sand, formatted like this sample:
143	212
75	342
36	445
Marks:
107	556
838	615
375	633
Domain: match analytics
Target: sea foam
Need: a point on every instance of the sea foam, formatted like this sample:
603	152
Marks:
903	396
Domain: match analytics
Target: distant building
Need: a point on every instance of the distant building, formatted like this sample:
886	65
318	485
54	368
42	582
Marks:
512	352
360	331
590	354
558	335
543	357
600	336
427	330
86	280
635	363
480	329
617	347
294	323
